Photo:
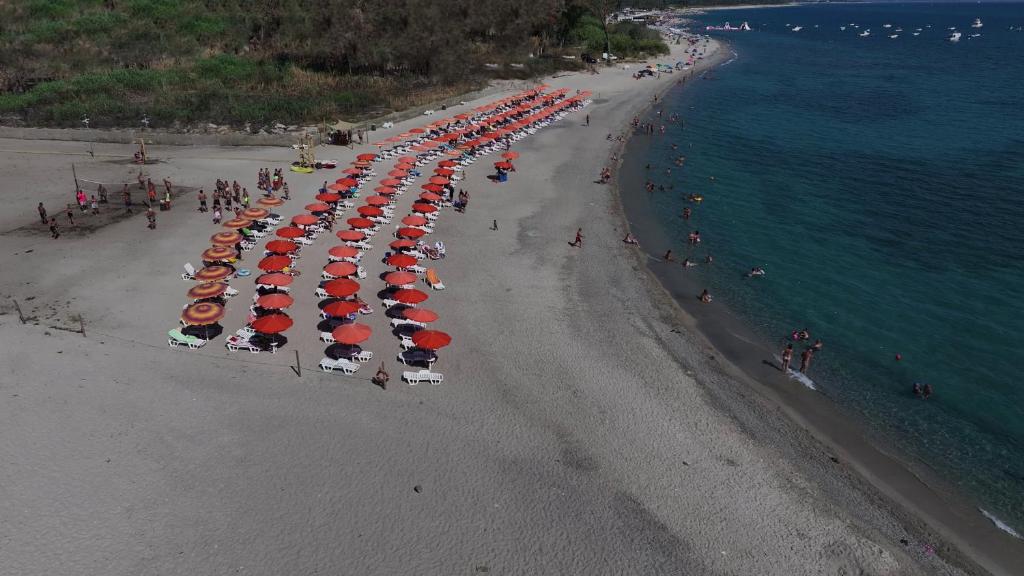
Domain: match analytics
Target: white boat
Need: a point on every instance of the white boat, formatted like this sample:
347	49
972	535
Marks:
977	23
894	35
917	33
898	30
797	28
843	28
865	33
886	25
745	27
954	37
975	35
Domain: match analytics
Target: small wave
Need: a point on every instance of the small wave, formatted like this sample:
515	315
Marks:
730	60
802	378
999	523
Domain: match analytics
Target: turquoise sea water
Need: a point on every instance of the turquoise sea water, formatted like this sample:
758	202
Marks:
880	182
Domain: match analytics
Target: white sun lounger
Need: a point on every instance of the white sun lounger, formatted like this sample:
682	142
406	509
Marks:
236	343
414	378
346	366
190	272
396	322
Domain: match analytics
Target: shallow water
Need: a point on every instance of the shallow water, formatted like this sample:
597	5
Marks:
879	182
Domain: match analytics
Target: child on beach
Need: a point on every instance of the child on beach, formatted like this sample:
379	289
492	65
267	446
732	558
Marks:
71	216
54	228
42	212
95	205
578	242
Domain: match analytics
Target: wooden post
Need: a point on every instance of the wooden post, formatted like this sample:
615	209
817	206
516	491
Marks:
17	307
75	174
298	367
81	324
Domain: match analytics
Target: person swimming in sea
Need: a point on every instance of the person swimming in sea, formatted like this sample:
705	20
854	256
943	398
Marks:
756	271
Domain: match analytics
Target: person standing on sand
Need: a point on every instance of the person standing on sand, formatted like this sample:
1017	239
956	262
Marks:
95	205
668	256
578	242
245	198
127	194
42	212
805	359
151	217
588	119
202	201
71	216
787	357
54	228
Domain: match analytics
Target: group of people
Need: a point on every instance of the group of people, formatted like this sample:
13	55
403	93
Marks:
91	203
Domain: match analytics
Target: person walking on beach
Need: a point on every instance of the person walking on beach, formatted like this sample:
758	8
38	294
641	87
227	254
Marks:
151	218
42	212
668	256
588	119
787	357
578	242
54	228
71	216
805	359
202	201
127	194
245	198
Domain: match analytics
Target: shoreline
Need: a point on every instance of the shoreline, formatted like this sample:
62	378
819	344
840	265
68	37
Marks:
915	495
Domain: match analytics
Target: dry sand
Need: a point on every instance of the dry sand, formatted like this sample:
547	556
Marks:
570	435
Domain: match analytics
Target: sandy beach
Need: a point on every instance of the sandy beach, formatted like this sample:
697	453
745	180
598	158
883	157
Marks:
582	427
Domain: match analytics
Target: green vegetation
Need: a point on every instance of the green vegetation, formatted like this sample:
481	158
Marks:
268	61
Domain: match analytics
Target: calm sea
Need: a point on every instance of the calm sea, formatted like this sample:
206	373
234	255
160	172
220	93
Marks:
880	183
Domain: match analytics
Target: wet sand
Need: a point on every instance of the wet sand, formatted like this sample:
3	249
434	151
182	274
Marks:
580	429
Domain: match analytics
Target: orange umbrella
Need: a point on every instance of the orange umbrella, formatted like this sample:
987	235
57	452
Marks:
432	187
202	314
503	165
290	232
275	279
340	269
270	201
272	323
407	160
328	197
304	220
351	235
237	223
410	232
402	243
340	308
352	171
396	173
431	339
226	238
317	207
343	251
341	288
417	131
339	187
430	197
409	296
353	333
207	290
255	213
423	208
404	166
440	180
370	211
275	263
400	278
358	223
510	155
218	254
401	260
444	172
377	201
367	157
414	220
384	190
419	314
211	273
275	301
390	182
282	246
447	163
350	182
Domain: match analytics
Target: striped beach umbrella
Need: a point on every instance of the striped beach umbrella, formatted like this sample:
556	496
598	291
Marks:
270	201
202	314
212	273
219	254
207	290
255	213
237	223
226	238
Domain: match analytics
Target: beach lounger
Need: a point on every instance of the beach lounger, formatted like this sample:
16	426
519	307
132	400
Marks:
406	342
236	343
175	338
432	280
320	293
190	272
346	366
414	378
396	322
416	269
327	337
388	303
230	292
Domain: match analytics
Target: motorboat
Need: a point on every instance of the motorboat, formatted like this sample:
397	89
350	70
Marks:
797	28
977	23
865	33
954	37
894	35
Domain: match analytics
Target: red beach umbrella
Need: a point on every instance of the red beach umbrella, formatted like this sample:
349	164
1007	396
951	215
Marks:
255	213
353	333
510	155
211	273
369	211
503	165
339	187
272	323
410	232
444	172
304	220
202	314
275	279
434	188
226	238
290	232
396	173
360	223
341	288
351	235
419	314
207	290
340	269
275	263
377	201
400	278
440	180
367	157
407	160
275	301
447	163
417	131
218	254
352	171
348	182
343	251
431	339
317	207
402	243
340	308
430	197
390	182
328	197
423	208
409	296
384	190
237	223
401	260
414	220
282	246
270	201
404	166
